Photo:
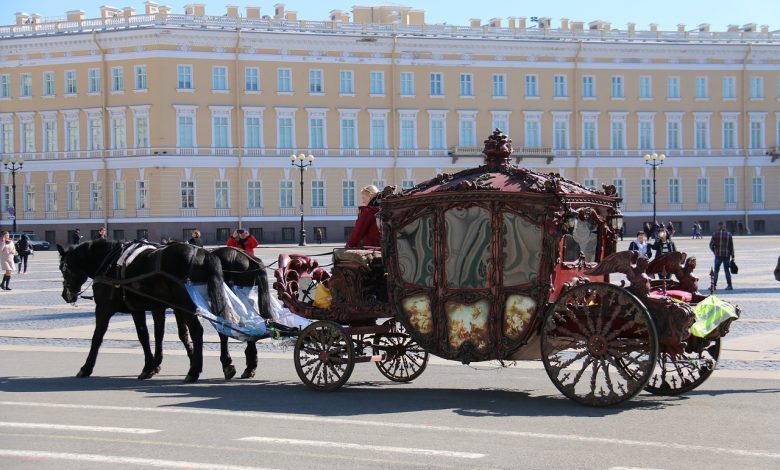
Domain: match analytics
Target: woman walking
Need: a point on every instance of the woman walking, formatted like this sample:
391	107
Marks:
24	249
7	252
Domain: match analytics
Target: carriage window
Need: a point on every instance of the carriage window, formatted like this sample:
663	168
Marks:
522	250
584	238
415	252
468	247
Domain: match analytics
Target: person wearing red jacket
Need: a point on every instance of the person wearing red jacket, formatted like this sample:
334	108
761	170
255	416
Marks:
243	239
365	234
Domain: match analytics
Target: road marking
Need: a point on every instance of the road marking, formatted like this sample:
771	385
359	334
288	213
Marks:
352	446
69	427
408	426
119	460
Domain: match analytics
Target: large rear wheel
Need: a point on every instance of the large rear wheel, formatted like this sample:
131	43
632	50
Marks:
599	344
405	360
324	356
680	373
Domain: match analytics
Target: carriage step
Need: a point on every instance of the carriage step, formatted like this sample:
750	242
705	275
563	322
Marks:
374	358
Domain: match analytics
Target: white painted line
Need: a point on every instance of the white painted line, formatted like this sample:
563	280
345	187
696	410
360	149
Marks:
68	427
352	446
409	426
119	460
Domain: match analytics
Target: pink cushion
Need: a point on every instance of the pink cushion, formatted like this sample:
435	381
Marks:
675	294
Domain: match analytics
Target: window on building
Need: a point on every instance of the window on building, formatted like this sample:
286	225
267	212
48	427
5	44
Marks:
466	84
252	129
187	194
701	135
140	77
619	184
5	197
221	194
756	134
560	135
588	86
184	77
729	134
500	122
467	137
315	82
673	134
701	88
50	136
316	133
117	79
285	128
5	86
50	197
71	135
48	84
645	135
6	137
756	88
729	88
589	135
28	203
219	78
499	85
141	195
25	85
674	191
28	137
318	193
408	131
254	194
252	79
559	86
220	127
702	191
589	183
96	196
533	133
142	131
348	193
94	79
436	84
142	234
288	234
730	190
346	82
71	83
759	226
95	137
378	132
284	80
74	197
118	132
119	195
673	88
531	86
617	87
378	183
407	84
286	194
618	135
645	87
437	133
407	184
348	133
376	82
757	190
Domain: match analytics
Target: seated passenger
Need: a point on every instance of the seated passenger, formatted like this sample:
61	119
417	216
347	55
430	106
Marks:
365	234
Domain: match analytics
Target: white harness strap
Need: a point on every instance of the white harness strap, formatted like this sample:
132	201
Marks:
131	252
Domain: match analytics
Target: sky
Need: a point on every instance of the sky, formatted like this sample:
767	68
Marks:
666	13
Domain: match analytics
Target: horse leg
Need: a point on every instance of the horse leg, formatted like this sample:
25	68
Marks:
158	317
251	359
139	318
224	357
196	361
184	336
101	325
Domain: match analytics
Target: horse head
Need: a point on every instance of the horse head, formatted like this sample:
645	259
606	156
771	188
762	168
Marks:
73	275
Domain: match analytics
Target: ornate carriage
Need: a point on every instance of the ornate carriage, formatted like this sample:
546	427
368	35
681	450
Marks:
504	263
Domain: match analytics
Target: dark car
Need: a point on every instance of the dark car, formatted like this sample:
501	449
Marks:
35	243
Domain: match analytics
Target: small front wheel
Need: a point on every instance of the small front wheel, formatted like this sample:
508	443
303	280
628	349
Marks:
405	360
324	356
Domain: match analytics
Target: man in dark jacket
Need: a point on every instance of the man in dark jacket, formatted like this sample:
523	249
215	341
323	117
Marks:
76	237
722	246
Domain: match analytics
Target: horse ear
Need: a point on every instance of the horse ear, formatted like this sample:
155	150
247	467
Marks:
60	249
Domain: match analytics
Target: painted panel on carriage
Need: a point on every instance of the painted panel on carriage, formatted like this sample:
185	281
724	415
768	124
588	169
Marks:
522	249
468	247
418	309
517	314
468	322
584	238
415	252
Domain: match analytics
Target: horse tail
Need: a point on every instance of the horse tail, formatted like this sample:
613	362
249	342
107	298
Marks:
215	283
263	291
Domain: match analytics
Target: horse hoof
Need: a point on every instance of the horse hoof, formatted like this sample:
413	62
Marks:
230	372
157	370
82	374
146	375
248	374
190	379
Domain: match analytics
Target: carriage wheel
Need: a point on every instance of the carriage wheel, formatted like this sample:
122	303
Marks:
599	344
405	360
680	373
324	356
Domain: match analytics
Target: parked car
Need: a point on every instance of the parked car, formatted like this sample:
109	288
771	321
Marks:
35	243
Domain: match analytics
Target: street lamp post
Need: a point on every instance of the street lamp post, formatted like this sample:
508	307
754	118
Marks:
654	160
302	162
13	164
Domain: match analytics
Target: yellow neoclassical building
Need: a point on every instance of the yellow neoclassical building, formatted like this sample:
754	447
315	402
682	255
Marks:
154	123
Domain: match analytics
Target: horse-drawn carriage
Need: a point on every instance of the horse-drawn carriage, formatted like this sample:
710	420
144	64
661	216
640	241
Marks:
504	263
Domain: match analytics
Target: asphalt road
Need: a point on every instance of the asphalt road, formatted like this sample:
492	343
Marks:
453	416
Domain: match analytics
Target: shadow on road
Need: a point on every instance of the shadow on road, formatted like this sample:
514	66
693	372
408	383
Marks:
355	399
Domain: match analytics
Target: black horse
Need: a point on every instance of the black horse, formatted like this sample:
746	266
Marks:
154	281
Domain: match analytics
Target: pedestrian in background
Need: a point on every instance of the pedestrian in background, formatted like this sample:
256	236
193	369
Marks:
662	246
196	240
101	235
7	253
24	250
76	237
243	239
670	231
641	245
722	246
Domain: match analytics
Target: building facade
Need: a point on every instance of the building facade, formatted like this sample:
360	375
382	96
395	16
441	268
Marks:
157	123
